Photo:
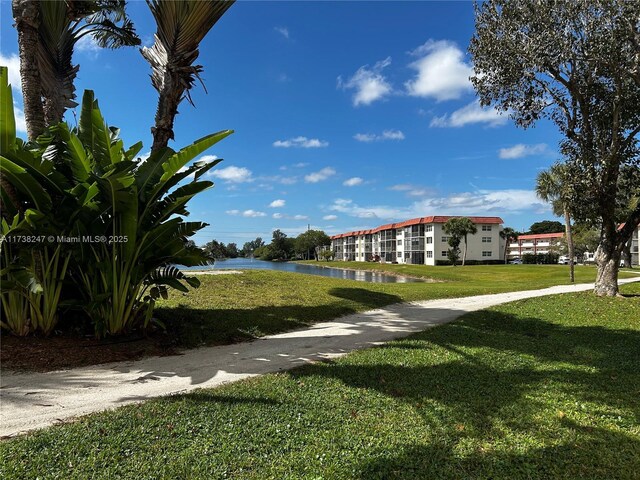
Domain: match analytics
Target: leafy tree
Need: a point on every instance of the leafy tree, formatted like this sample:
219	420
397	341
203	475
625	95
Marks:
575	63
311	241
508	234
249	248
263	252
460	227
280	247
326	255
215	250
546	226
553	186
585	239
232	250
453	252
181	26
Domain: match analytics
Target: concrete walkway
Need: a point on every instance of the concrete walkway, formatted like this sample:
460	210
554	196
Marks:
37	400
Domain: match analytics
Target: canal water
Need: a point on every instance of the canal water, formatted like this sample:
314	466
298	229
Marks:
359	275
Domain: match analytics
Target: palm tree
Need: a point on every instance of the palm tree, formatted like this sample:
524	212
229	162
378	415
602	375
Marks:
26	14
181	26
47	34
507	233
460	227
63	25
552	187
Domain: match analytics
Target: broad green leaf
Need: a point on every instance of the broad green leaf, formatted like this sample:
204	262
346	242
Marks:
185	155
26	184
7	118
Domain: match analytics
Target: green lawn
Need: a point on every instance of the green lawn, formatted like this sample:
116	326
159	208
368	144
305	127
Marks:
541	388
231	308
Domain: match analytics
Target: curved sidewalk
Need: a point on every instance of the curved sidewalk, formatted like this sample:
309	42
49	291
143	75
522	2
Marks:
35	400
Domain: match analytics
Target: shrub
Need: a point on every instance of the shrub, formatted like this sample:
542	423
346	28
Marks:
126	216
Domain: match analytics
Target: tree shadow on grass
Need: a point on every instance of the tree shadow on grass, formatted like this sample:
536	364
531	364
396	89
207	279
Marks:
598	454
194	327
497	373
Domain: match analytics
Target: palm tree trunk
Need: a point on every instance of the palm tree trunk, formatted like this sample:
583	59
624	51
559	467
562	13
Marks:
569	233
506	249
166	112
464	253
26	14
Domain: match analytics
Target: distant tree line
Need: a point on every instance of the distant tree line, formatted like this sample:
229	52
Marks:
308	245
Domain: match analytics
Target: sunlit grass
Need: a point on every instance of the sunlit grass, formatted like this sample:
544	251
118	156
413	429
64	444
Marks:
540	388
229	308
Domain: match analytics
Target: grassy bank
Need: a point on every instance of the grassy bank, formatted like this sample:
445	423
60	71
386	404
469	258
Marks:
540	388
230	308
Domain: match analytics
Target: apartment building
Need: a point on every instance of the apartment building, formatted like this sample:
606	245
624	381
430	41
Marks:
419	241
589	257
635	243
534	244
545	242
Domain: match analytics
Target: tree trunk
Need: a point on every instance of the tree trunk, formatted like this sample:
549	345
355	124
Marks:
464	252
506	249
26	14
568	231
607	260
165	115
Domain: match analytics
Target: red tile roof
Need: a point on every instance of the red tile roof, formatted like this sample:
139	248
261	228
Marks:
420	221
540	236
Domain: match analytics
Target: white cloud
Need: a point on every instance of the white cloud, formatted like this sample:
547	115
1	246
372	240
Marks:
330	217
364	137
247	213
385	135
88	46
369	84
320	175
301	142
12	62
284	31
412	190
352	182
479	202
521	150
232	174
21	124
277	203
442	72
376	211
279	216
469	114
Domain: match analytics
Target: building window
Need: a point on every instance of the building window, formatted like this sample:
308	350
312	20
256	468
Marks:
486	228
399	254
428	228
399	242
486	239
443	253
429	239
486	254
429	254
445	239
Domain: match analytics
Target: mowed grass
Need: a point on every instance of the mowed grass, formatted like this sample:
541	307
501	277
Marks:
232	308
541	388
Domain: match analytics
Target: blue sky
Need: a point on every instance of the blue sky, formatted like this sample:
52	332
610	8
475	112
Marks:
347	116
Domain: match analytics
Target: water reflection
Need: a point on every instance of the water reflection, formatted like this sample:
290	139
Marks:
358	275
